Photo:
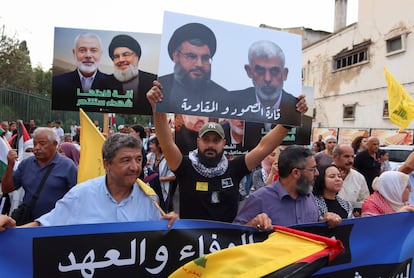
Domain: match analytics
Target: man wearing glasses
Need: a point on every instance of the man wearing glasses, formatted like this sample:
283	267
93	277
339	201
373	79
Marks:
266	68
191	48
289	200
125	52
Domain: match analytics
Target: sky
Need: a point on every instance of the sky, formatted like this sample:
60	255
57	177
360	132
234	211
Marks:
34	21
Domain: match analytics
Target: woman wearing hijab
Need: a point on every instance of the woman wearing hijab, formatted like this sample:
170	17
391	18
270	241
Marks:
391	194
69	150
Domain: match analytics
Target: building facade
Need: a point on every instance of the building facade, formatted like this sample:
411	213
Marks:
346	68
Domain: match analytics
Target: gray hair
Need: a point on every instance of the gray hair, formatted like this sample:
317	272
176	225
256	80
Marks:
337	150
51	133
293	157
87	35
118	141
265	49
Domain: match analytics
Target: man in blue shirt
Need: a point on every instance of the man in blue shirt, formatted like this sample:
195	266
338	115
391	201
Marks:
115	197
30	172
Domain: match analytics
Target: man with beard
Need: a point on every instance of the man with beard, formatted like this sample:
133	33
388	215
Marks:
355	188
267	70
191	48
125	52
208	182
67	87
289	200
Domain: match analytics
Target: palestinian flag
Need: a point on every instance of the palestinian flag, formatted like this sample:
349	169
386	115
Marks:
23	137
4	149
12	139
286	253
113	122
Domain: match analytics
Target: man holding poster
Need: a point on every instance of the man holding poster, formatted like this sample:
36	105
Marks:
209	182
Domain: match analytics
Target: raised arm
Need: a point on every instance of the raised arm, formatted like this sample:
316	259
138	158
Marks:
273	139
170	150
266	145
408	166
7	184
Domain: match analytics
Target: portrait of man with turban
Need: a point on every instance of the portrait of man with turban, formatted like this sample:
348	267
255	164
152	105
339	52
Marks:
191	48
125	52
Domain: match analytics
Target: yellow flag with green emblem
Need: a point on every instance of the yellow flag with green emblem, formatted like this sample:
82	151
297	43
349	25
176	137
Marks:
400	103
91	141
286	251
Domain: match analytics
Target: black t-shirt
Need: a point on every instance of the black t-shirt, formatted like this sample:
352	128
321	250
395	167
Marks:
334	206
214	198
368	166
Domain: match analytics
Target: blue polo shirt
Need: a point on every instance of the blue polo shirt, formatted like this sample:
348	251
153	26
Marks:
62	177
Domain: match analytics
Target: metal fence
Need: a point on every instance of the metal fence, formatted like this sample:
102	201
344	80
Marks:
16	104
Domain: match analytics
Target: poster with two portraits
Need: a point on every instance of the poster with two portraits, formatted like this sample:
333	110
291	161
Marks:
227	70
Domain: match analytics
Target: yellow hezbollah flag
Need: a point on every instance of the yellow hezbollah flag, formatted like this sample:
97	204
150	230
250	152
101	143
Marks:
91	161
400	103
91	141
285	251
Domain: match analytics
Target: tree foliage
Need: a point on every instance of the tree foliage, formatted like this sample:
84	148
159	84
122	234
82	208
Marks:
43	80
16	69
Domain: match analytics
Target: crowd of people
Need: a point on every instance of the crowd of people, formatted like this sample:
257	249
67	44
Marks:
205	183
288	185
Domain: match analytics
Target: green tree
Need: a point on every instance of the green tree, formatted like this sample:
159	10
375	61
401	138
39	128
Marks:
43	80
15	67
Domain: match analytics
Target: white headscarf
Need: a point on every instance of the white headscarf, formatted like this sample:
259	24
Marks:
27	145
391	185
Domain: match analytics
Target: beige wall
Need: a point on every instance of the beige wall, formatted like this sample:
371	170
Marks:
362	84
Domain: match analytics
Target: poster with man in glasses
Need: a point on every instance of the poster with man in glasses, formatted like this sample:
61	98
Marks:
228	70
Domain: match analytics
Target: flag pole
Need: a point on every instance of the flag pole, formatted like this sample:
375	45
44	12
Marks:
105	124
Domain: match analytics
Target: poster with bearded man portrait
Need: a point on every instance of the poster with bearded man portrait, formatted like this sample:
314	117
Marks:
104	71
218	69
